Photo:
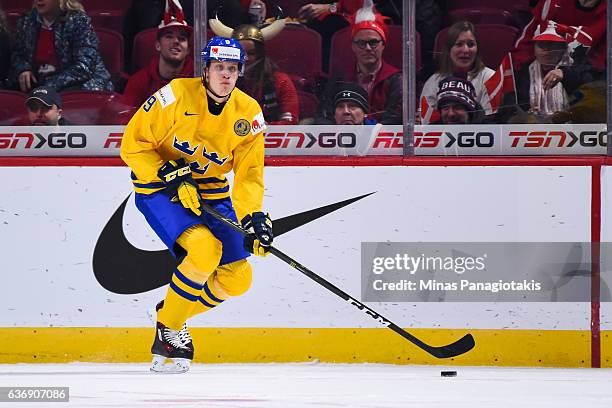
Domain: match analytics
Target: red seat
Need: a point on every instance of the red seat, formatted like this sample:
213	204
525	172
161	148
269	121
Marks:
308	104
106	13
143	48
296	51
15	4
12	107
495	42
93	107
476	4
12	15
102	5
482	16
342	58
111	50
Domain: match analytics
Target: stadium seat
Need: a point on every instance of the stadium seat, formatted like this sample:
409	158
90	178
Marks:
476	4
143	48
106	13
12	107
12	15
93	107
482	16
15	4
342	59
296	51
308	105
496	40
111	50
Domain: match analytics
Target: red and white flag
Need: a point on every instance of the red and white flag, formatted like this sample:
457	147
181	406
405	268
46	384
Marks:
500	83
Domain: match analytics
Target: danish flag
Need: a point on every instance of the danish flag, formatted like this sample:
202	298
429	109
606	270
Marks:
500	83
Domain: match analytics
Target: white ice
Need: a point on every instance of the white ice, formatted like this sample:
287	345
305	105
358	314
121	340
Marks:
315	385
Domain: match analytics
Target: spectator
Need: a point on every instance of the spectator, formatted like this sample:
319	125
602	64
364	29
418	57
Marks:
262	80
460	57
381	80
45	107
56	46
586	17
6	46
457	102
143	14
172	43
351	106
545	84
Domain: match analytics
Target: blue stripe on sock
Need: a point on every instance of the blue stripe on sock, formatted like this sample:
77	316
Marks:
188	281
215	190
205	303
182	293
210	295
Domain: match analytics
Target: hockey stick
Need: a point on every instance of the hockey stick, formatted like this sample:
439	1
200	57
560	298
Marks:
463	345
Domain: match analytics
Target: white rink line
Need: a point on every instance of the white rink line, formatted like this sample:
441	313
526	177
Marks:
314	385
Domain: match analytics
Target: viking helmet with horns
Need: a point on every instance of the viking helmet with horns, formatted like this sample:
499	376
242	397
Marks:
247	31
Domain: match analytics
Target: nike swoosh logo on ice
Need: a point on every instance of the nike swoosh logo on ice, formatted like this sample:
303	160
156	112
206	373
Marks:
190	114
121	268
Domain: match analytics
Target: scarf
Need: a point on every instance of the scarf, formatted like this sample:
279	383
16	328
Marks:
541	101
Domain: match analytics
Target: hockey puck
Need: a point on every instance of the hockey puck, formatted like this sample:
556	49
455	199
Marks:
448	373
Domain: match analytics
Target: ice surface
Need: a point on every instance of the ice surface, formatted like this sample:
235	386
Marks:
314	385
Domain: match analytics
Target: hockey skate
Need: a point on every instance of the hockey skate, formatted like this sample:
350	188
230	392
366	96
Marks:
183	333
168	345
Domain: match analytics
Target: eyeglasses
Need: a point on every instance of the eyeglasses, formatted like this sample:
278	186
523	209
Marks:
362	43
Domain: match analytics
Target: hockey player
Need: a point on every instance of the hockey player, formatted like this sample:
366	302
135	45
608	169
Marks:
180	145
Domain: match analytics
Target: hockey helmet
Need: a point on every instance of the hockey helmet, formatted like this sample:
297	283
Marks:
223	49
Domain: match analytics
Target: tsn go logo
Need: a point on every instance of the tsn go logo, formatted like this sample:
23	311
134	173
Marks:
58	140
306	140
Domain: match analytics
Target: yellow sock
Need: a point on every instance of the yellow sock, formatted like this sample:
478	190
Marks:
208	297
181	298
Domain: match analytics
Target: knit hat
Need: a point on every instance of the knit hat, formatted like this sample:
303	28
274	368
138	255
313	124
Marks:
348	91
457	90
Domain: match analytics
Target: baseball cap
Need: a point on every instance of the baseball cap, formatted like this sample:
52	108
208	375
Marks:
457	90
46	95
348	91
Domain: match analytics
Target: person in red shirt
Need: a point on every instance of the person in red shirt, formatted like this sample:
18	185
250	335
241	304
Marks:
381	80
262	80
174	60
586	17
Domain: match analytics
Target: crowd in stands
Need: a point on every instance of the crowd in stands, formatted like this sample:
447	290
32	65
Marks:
311	62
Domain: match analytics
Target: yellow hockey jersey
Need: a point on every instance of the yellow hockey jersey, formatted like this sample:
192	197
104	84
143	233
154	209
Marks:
175	122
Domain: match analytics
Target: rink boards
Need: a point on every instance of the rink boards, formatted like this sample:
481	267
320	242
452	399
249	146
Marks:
55	310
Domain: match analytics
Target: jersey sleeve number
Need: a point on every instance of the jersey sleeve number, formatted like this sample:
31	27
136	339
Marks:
149	103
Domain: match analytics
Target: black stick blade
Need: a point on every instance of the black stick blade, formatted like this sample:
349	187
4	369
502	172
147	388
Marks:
461	346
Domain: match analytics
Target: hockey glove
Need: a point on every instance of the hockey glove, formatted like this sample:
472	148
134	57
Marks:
260	236
180	186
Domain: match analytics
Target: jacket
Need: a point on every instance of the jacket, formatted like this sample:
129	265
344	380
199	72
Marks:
76	48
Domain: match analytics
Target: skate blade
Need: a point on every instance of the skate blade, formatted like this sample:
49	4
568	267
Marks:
178	365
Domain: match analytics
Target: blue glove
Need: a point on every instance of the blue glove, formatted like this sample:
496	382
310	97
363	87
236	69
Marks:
260	235
180	186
